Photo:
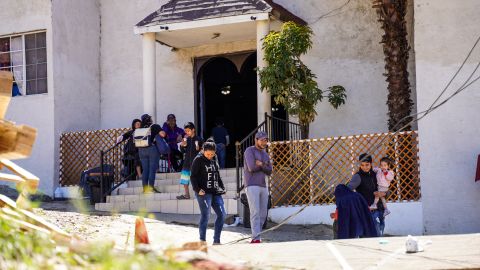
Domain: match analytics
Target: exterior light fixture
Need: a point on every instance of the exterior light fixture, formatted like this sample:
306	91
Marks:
225	90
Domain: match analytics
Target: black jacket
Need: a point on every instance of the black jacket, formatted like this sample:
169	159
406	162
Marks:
129	148
354	218
191	151
206	175
368	186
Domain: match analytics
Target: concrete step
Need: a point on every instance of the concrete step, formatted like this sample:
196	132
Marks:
174	188
156	197
162	206
175	181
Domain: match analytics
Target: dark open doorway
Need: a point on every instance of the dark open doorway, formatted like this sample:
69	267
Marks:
227	90
279	130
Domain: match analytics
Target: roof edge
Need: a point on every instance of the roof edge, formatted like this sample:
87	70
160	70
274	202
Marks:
200	23
283	14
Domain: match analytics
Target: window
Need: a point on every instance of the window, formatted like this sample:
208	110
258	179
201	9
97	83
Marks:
26	57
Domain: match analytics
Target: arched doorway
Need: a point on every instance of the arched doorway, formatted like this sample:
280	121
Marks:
227	90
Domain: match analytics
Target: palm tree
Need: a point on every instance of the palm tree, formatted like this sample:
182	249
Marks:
391	14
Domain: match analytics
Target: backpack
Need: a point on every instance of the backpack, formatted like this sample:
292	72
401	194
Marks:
162	145
129	149
141	137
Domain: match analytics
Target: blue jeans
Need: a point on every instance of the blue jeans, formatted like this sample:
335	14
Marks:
221	154
206	203
150	159
379	220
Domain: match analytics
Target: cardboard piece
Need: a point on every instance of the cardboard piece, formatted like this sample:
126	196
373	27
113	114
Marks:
6	81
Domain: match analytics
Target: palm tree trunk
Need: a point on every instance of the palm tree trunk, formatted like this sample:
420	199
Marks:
305	130
391	14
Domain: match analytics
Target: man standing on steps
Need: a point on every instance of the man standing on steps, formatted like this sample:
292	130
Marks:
257	166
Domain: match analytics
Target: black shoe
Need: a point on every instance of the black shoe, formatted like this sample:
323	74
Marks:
155	190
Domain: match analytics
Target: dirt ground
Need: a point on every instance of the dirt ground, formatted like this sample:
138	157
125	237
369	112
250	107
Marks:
164	230
289	247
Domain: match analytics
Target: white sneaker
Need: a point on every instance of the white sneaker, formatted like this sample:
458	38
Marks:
386	212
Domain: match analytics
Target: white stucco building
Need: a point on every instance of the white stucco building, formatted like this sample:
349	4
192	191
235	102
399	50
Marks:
92	65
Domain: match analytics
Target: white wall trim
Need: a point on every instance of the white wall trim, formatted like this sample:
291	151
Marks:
200	23
406	217
14	34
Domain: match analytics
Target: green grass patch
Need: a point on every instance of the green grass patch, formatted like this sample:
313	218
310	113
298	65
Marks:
20	249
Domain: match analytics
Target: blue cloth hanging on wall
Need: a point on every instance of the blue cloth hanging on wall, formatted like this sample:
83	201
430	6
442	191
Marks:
15	90
354	217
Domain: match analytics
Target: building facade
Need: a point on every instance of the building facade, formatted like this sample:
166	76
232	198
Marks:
103	69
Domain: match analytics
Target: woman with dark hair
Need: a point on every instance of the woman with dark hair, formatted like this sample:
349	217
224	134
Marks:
208	187
149	155
131	159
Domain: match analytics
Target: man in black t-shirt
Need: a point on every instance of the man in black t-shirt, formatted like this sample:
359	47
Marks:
222	140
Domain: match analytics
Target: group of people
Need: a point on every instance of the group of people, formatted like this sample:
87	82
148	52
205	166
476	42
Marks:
362	213
200	165
200	162
176	145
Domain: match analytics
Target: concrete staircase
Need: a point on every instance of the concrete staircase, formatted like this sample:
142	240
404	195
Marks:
132	199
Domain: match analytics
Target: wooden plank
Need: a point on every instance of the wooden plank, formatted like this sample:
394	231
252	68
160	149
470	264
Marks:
17	142
31	217
11	178
31	181
6	81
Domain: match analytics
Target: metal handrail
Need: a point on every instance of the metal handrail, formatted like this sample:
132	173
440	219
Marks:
268	126
111	148
283	120
102	163
251	133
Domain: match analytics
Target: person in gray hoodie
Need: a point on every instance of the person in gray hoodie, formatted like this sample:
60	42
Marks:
257	166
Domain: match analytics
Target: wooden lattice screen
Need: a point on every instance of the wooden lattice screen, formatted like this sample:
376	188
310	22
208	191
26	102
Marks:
296	180
80	151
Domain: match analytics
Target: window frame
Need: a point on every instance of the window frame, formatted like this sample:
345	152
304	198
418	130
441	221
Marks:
23	91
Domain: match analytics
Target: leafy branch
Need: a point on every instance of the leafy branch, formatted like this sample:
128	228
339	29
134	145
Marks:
289	80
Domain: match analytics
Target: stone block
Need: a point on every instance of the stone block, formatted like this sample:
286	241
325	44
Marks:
131	198
169	206
153	206
185	207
